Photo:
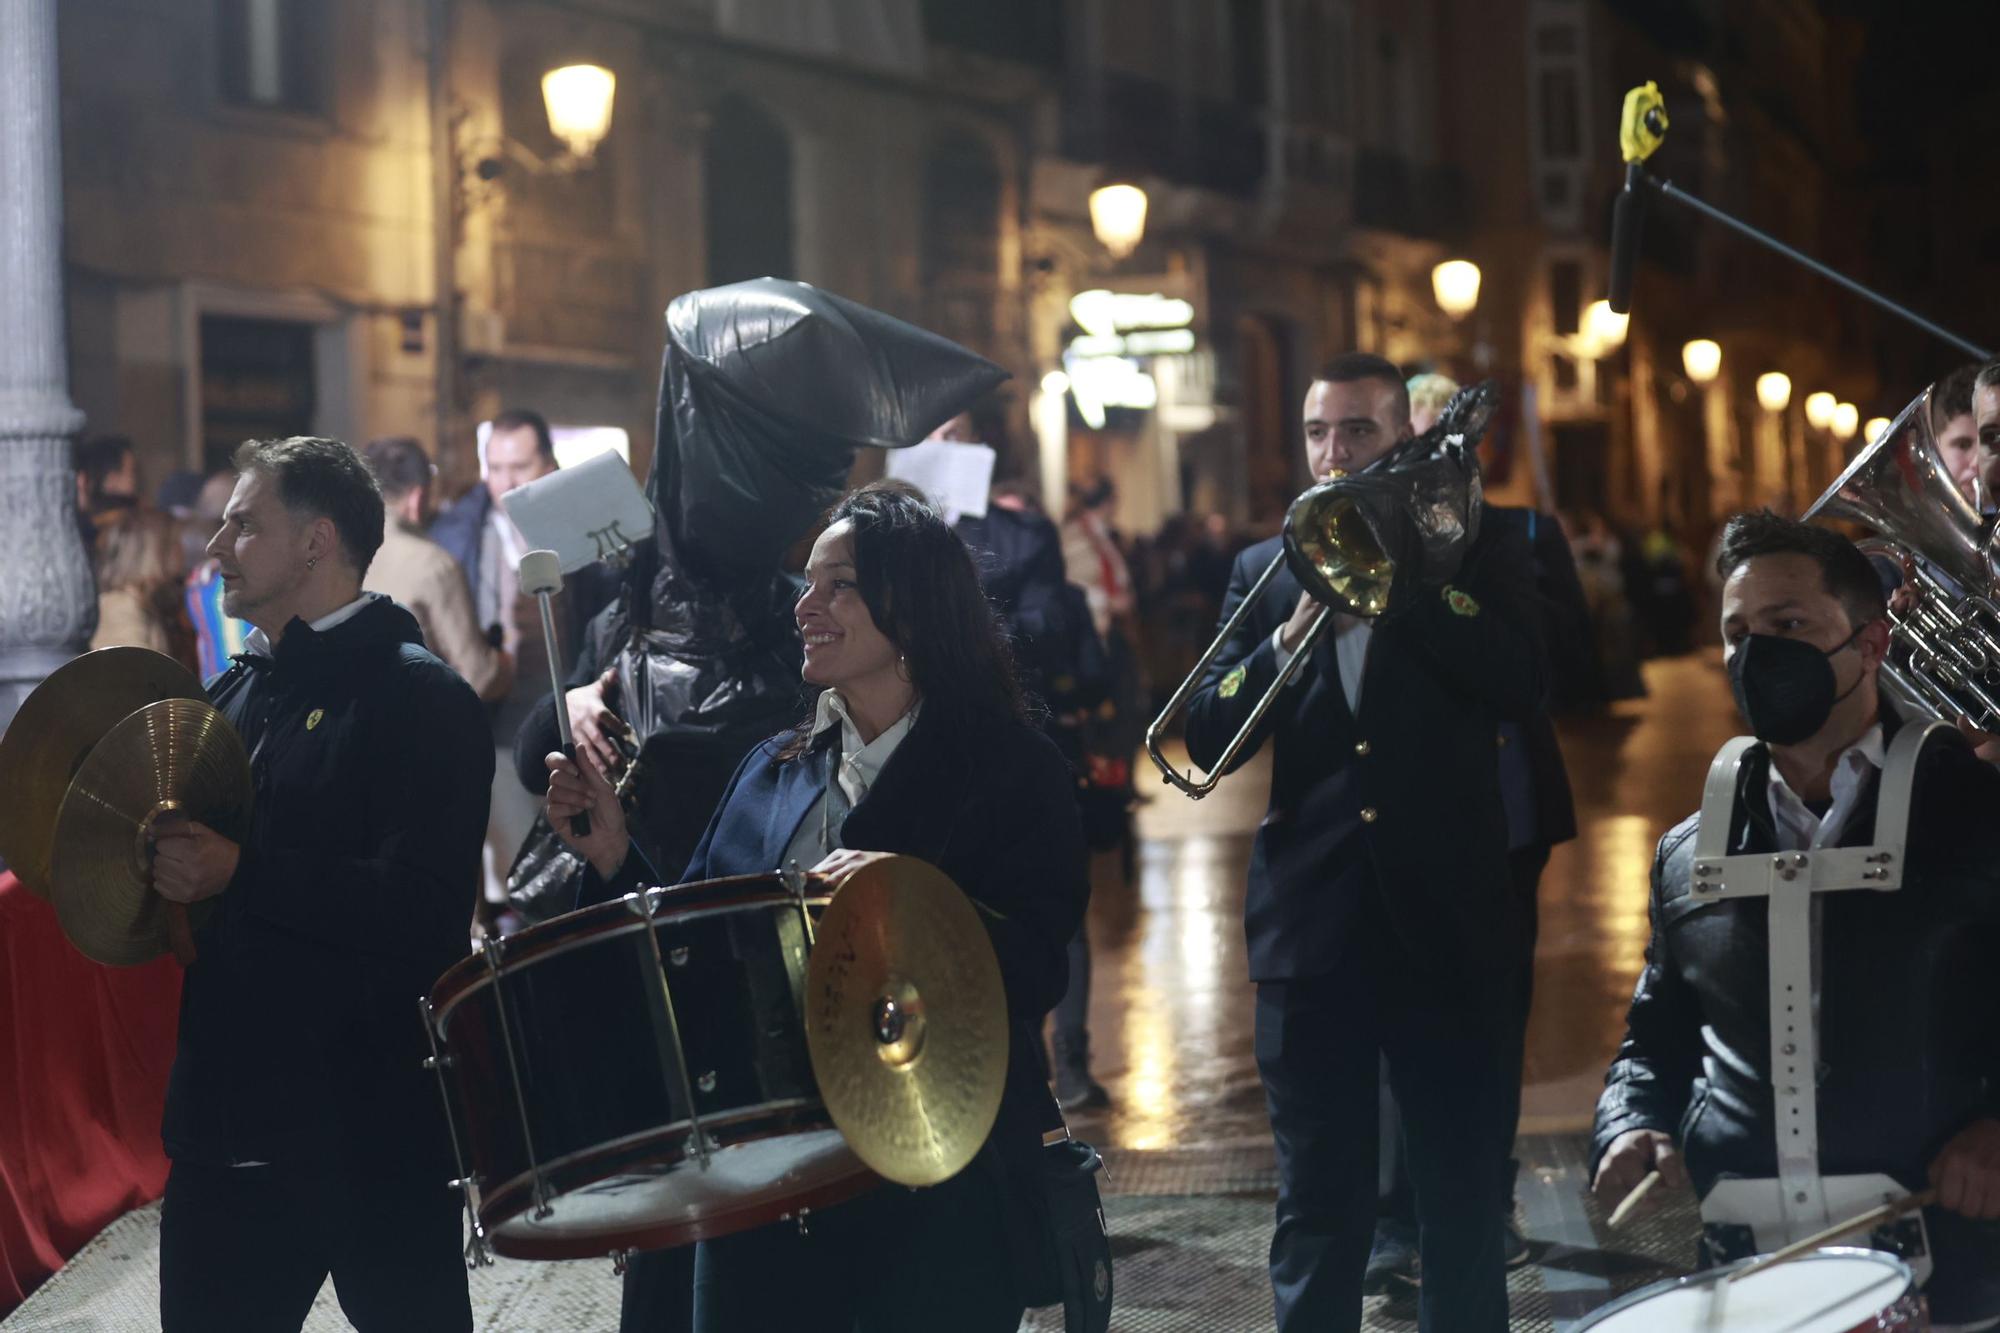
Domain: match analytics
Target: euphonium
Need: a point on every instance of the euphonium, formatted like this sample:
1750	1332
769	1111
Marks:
1361	543
1944	649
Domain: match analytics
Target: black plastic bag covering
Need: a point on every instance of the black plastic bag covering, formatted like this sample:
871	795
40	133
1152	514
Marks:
768	389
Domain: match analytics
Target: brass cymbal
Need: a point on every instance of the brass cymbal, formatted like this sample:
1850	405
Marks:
906	1020
177	756
57	725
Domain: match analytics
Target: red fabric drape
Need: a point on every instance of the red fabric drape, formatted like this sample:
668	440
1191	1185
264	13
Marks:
84	1055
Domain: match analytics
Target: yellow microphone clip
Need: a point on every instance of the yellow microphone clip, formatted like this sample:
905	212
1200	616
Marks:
1642	127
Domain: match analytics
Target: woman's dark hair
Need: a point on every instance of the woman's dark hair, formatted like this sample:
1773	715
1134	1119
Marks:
918	581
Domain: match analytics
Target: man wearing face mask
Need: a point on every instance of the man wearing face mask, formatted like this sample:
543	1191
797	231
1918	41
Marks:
1908	1034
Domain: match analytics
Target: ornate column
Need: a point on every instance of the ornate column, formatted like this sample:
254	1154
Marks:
48	606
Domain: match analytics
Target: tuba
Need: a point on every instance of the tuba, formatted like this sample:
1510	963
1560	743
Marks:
1364	544
1944	650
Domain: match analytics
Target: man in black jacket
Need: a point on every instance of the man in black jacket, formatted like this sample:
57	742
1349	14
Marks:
1534	788
305	1135
1378	887
1908	1036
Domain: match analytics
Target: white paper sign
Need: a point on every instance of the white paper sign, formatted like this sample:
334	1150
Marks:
582	513
957	477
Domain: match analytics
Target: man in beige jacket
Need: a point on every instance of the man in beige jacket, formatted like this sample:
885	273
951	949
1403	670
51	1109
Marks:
420	574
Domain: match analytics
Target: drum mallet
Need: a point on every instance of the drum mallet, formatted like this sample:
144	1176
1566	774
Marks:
541	576
1630	1203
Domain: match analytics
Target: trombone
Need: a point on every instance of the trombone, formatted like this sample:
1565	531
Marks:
1415	508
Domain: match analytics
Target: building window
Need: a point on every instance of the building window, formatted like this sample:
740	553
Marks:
961	213
1565	295
747	184
1560	139
1249	52
258	382
272	53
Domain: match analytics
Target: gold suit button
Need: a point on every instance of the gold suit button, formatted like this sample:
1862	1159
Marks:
1367	814
1361	747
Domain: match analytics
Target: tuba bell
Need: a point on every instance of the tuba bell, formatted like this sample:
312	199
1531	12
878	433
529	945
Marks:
1944	650
1361	543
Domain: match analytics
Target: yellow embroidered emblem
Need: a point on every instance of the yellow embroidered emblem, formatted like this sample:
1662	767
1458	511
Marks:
1461	603
1232	683
312	718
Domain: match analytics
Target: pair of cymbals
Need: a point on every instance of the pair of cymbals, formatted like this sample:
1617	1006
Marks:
906	1020
108	747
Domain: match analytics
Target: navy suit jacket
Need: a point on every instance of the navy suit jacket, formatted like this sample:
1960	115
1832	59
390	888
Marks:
1401	802
990	803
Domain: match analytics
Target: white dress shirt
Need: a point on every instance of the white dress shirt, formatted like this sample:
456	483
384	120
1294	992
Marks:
1350	650
1798	828
860	764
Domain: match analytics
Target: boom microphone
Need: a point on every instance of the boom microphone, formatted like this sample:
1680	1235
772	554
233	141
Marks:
1628	219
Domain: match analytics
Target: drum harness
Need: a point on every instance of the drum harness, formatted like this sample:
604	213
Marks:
1801	1201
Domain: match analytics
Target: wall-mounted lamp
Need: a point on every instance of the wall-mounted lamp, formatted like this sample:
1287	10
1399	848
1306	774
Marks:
1455	284
1819	410
1702	359
1118	217
1774	390
578	100
1846	420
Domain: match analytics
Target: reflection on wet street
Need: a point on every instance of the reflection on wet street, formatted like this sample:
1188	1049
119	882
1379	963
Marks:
1171	998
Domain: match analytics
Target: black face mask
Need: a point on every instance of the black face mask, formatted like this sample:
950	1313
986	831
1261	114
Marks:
1785	687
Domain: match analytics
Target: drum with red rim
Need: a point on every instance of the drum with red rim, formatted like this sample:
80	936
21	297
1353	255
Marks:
634	1075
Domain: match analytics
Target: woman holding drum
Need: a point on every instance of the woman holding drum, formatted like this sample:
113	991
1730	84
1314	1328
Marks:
919	745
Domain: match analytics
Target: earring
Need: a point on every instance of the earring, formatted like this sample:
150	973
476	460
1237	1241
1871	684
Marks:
312	561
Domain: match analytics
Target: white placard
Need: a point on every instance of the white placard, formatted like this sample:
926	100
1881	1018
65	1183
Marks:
582	513
958	478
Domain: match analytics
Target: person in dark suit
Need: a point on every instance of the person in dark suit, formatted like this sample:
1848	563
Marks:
1378	887
919	745
1534	787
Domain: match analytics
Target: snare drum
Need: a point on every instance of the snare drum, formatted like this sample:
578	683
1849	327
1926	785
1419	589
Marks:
634	1075
1827	1291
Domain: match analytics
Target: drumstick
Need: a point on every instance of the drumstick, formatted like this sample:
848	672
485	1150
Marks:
1873	1217
1631	1201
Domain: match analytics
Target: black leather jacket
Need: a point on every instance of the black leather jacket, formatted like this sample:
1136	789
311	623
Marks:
1909	1015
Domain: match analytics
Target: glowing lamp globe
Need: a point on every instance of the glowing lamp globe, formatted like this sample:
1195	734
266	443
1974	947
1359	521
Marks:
1702	359
578	98
1774	390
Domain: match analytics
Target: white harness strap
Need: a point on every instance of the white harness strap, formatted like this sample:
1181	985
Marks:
1789	880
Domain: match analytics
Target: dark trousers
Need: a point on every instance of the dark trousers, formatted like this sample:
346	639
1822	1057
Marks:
893	1261
1319	1041
247	1249
659	1292
1071	1017
1399	1203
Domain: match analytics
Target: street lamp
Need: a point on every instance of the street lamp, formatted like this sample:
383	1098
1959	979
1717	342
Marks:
578	98
1702	359
1774	390
1603	328
1874	429
578	101
1846	420
1455	283
1819	410
1118	217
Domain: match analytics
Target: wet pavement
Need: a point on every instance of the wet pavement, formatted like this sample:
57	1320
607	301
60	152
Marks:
1171	997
